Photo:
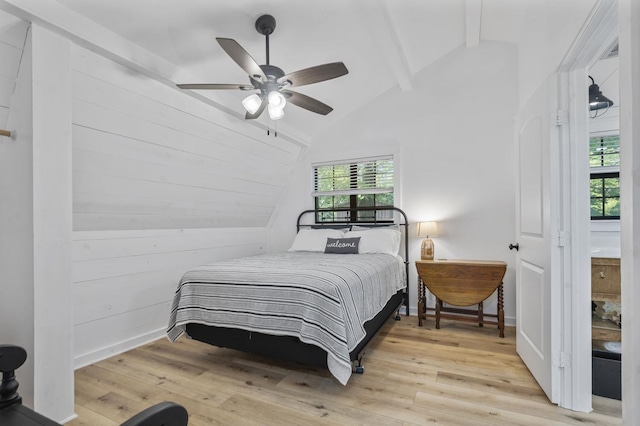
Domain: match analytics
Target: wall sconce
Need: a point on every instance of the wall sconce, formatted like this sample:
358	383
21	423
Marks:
597	101
427	229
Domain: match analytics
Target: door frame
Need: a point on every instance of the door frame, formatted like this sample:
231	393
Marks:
599	32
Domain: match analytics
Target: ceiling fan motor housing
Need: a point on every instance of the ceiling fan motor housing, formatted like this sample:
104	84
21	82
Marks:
273	73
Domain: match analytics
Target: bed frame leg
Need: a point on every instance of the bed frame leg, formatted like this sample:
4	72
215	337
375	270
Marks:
397	317
359	369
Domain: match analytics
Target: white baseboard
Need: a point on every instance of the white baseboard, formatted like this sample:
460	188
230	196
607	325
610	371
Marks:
68	419
107	352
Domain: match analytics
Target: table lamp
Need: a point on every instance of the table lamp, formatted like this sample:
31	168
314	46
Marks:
427	229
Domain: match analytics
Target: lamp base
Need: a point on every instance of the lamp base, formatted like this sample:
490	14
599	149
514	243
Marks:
427	251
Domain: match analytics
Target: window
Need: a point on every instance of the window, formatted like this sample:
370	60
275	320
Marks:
353	183
604	159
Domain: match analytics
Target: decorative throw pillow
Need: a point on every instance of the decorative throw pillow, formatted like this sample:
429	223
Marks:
342	245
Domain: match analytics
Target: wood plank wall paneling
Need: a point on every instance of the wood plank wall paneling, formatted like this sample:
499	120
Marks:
161	183
124	281
148	157
13	32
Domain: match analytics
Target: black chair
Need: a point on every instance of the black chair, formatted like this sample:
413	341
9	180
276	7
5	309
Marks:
12	412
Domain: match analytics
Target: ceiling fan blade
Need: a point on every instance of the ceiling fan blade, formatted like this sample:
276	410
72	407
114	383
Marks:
306	102
205	86
249	116
241	57
315	74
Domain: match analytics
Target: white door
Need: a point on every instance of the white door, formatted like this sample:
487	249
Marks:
537	333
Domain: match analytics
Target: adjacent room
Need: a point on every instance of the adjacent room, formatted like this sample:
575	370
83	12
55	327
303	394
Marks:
319	212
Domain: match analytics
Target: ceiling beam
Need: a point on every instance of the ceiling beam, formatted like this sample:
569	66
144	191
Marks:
377	17
473	22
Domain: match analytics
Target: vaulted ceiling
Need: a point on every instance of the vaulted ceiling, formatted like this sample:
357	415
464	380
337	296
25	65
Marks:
383	43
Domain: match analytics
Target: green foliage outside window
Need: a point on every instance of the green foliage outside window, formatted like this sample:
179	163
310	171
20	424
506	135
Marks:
605	197
604	151
356	184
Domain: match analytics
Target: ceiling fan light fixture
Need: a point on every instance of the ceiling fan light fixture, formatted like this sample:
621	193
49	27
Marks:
251	103
276	99
275	113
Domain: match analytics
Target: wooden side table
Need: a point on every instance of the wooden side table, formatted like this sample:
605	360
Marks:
461	283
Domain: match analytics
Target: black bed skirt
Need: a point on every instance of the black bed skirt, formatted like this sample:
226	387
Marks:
286	347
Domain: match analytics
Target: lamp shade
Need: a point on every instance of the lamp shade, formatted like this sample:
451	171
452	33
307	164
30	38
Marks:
427	229
276	99
275	113
251	103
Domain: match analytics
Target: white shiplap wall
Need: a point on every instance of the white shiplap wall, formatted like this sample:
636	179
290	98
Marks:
161	183
124	281
146	156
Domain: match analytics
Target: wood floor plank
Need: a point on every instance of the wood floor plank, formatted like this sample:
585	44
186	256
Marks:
88	417
492	386
459	374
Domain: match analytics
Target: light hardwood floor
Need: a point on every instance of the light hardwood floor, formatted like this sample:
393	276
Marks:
458	375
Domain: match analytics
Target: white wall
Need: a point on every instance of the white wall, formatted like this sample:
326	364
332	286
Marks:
548	30
35	223
124	281
146	156
629	19
452	140
161	183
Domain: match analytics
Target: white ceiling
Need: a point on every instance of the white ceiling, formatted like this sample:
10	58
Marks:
383	43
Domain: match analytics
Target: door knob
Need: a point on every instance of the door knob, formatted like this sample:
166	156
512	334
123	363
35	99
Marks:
514	246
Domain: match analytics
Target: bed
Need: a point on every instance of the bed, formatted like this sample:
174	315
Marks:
319	304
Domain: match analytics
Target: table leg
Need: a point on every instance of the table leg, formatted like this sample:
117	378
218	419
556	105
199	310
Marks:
480	314
438	308
501	310
421	302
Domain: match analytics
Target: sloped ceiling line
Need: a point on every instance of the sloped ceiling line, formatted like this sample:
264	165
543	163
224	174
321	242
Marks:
379	20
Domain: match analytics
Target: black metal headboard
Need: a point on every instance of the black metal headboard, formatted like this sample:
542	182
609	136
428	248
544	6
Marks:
351	216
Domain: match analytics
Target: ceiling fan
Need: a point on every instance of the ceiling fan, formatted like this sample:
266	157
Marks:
270	81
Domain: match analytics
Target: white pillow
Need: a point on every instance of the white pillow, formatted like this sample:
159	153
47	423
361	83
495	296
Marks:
314	239
377	240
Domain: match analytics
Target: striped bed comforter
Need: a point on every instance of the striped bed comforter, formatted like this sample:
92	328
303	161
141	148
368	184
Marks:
323	299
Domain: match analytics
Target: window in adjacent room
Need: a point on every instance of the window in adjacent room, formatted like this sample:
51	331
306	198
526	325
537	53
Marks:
353	183
604	160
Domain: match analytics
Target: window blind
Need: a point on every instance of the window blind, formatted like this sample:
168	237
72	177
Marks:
352	177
